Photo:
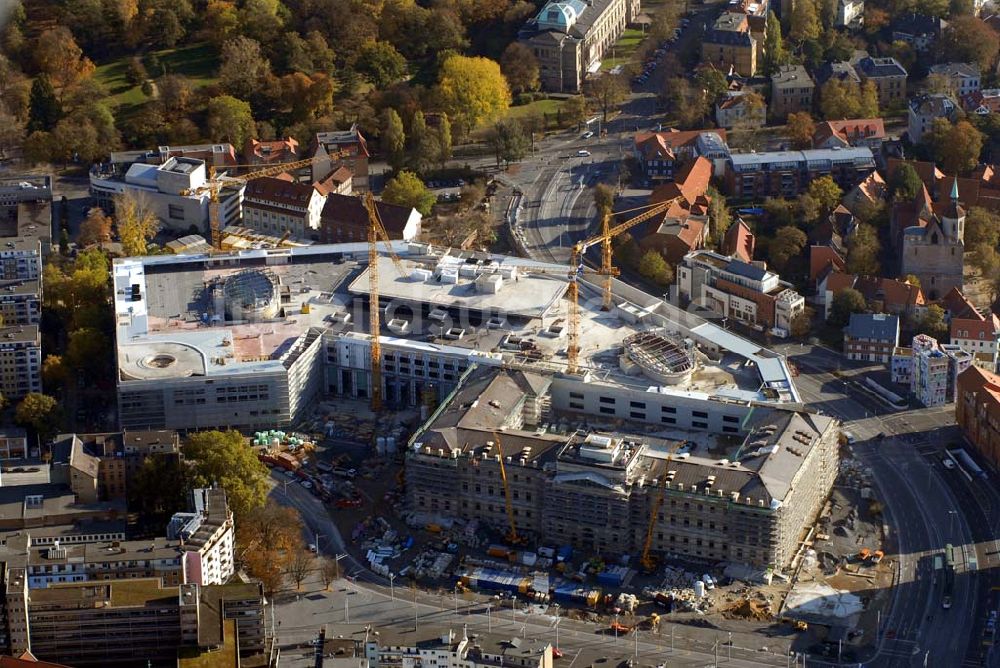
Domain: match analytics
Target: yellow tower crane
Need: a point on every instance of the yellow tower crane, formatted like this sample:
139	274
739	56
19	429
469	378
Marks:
608	270
512	537
647	561
376	233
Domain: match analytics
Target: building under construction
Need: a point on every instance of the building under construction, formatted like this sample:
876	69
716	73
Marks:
743	494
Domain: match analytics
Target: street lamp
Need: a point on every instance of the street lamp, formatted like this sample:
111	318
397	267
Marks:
951	522
489	617
392	592
556	626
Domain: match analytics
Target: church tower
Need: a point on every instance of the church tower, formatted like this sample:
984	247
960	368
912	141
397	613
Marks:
953	217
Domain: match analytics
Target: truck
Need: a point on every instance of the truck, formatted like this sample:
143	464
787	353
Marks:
948	576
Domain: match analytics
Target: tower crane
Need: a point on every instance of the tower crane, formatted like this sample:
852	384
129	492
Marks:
608	270
214	185
647	560
512	536
376	233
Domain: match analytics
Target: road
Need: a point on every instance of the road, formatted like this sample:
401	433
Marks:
923	512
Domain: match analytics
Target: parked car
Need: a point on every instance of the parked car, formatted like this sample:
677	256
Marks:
582	154
587	135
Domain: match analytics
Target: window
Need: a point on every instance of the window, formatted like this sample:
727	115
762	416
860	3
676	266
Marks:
699	414
668	420
175	212
637	404
576	405
730	418
699	425
668	409
576	395
607	400
637	415
607	410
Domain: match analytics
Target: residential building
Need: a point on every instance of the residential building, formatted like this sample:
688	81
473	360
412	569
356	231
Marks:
788	173
957	305
868	193
345	219
840	70
850	14
280	206
569	38
739	290
684	226
729	45
871	337
175	190
867	132
756	12
662	154
982	102
978	336
889	295
901	365
981	188
977	412
791	91
20	361
341	148
923	110
593	490
739	241
963	78
220	156
934	369
732	110
207	536
917	30
888	76
824	258
274	152
13	443
930	240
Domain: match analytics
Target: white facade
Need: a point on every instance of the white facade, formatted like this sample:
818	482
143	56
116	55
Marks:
271	216
935	371
850	13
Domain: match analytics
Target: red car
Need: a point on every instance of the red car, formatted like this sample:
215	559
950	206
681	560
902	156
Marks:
557	653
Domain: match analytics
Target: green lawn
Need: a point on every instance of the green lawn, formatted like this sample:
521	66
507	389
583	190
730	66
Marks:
198	62
624	49
547	106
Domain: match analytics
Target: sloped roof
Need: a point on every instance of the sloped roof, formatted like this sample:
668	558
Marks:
984	329
878	326
739	241
349	210
958	305
279	191
891	292
821	257
850	130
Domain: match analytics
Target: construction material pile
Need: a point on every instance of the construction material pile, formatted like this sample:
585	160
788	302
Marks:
749	609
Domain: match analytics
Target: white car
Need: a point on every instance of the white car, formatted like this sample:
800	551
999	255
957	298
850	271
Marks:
948	464
583	154
587	135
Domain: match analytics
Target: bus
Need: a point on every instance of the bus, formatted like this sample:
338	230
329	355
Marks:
948	576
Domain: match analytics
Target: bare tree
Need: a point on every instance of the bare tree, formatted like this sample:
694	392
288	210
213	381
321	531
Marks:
300	562
329	570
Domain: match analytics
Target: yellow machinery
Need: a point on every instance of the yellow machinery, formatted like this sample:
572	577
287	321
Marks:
376	232
608	270
512	536
647	561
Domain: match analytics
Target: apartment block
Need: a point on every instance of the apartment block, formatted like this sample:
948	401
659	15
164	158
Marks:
871	337
933	369
788	173
20	361
888	76
280	206
341	148
791	91
662	155
729	43
977	336
736	289
977	412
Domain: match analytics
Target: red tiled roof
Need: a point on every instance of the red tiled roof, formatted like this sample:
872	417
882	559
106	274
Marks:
27	660
279	150
851	130
663	144
838	280
739	241
974	328
959	306
820	257
329	183
279	191
347	210
894	295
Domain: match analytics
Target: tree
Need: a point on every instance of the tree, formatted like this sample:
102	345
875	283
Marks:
933	323
421	144
160	488
299	563
472	91
54	372
775	54
826	193
176	93
801	324
969	39
230	119
406	189
520	67
912	280
604	198
982	226
718	214
745	133
267	537
44	110
868	103
846	302
955	147
243	67
787	243
223	458
382	64
393	138
508	141
329	571
574	110
862	251
801	128
220	21
804	24
655	268
59	57
443	136
39	412
904	183
262	19
137	224
88	352
840	99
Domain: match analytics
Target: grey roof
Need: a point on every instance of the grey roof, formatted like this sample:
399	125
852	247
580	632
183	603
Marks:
751	271
860	154
791	76
917	24
842	71
936	105
877	326
873	68
955	69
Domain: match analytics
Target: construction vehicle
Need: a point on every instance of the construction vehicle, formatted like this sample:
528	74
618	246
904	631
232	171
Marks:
877	556
797	623
607	269
512	537
864	554
617	627
647	561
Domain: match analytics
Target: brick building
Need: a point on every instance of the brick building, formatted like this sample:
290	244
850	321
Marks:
977	412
